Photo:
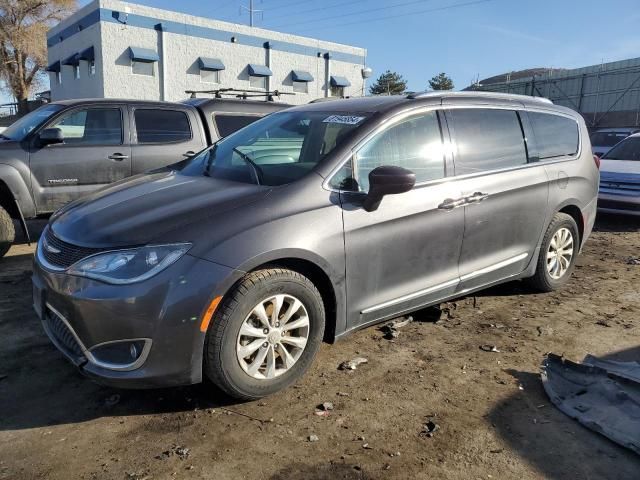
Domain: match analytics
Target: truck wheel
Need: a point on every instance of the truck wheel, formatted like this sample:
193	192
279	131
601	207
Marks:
7	232
265	334
558	254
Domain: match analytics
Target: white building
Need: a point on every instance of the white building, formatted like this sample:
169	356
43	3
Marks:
115	49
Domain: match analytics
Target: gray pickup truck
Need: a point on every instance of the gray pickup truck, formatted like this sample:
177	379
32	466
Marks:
66	149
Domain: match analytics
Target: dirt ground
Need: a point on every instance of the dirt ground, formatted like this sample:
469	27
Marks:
494	417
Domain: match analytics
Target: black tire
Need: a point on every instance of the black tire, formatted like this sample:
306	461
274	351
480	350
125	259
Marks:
542	280
221	364
7	232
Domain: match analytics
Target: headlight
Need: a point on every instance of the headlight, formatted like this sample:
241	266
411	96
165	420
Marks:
129	266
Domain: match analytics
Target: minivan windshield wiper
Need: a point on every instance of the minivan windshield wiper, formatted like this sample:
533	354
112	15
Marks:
257	171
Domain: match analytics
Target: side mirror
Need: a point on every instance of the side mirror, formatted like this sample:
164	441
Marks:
387	180
50	136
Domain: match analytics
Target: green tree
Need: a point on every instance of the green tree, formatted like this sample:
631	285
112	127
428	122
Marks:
389	83
441	82
23	42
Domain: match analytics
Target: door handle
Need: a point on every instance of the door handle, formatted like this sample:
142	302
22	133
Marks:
190	153
477	197
118	157
450	203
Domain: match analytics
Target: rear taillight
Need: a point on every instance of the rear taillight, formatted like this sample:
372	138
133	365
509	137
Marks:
596	160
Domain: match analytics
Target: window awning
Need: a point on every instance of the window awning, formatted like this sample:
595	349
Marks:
259	70
73	60
88	55
54	67
301	76
143	54
211	64
340	82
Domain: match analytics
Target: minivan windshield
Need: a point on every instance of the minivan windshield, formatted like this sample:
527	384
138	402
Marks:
628	149
277	149
19	129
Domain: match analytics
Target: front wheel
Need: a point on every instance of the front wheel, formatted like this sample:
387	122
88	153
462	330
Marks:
558	254
265	334
7	232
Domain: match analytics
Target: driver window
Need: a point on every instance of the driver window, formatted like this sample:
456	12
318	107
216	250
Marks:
414	143
93	126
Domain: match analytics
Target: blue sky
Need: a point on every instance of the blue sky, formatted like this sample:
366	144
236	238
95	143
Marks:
420	38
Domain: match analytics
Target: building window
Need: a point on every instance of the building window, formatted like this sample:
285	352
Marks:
92	67
59	77
76	72
210	76
258	82
301	87
143	68
337	91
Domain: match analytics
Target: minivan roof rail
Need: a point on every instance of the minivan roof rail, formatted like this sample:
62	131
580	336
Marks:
506	96
234	92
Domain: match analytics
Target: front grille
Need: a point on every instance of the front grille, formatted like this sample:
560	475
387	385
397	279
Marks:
62	254
62	334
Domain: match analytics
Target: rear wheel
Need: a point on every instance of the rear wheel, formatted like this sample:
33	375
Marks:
265	334
557	254
7	232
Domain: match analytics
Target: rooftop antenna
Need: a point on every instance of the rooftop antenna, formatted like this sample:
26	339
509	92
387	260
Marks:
251	11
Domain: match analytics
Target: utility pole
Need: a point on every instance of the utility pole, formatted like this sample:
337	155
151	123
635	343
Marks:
251	11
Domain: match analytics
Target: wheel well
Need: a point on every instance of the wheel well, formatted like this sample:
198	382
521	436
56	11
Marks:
322	282
7	201
576	214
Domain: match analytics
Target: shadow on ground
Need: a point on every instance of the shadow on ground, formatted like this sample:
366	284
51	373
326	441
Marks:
552	442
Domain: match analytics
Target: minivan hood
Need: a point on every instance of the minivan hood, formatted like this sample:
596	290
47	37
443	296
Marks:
620	166
141	209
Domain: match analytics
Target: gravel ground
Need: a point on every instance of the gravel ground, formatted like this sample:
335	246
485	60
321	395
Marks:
494	419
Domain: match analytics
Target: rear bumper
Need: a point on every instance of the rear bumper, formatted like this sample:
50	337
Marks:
163	314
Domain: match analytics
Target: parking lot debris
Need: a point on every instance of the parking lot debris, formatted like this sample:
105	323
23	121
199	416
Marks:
633	261
353	363
489	348
390	329
429	429
342	394
313	438
324	409
181	452
603	323
600	394
112	400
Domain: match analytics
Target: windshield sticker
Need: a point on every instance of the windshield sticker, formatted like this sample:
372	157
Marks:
344	119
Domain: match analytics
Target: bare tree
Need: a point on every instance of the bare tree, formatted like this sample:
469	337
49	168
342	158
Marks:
23	42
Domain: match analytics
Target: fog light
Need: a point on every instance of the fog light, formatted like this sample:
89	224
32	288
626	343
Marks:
118	354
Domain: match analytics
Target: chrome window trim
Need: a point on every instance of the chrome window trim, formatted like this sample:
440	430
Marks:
87	351
388	123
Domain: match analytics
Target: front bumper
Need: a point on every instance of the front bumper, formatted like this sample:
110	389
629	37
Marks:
163	313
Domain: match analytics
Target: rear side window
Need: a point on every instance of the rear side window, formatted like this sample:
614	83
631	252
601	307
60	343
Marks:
226	124
162	126
556	136
487	139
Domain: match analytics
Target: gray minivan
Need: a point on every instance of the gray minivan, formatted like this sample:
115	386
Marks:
308	224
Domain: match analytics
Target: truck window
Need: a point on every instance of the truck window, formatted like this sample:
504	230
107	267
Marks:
162	126
227	123
556	136
487	139
91	126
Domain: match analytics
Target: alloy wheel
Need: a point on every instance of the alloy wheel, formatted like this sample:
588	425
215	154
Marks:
273	336
560	253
